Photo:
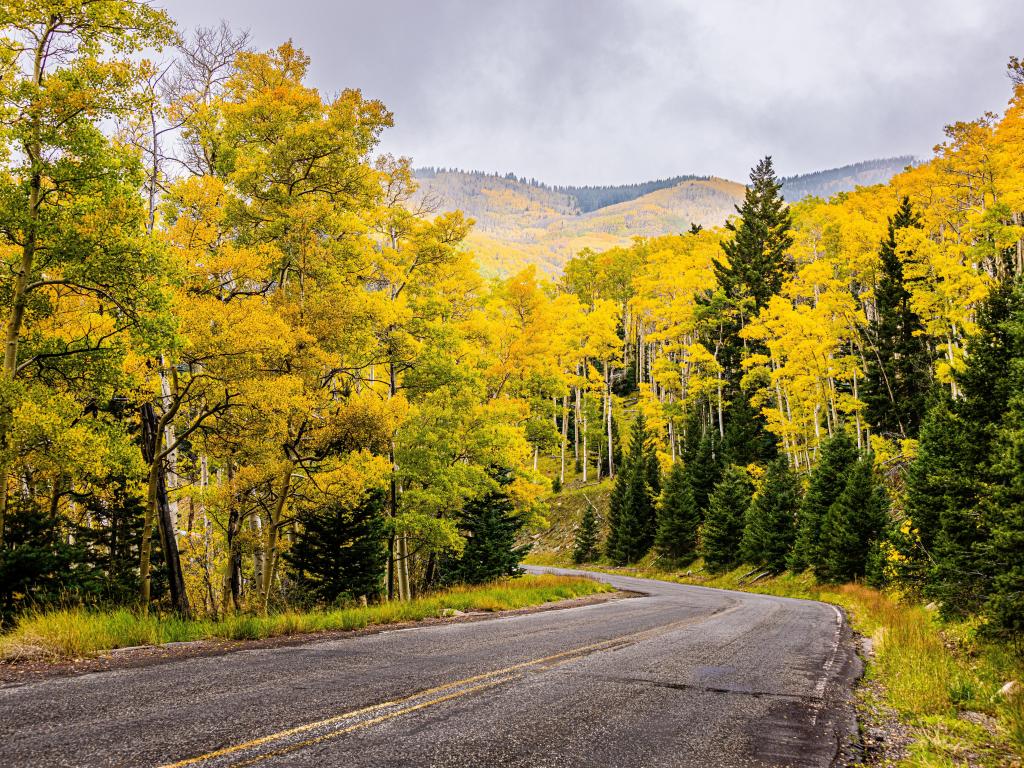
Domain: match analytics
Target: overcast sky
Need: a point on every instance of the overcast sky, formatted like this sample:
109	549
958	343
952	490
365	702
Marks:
609	91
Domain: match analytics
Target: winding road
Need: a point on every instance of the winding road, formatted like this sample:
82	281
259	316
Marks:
682	676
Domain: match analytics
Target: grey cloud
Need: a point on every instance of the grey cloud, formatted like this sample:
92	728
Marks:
597	91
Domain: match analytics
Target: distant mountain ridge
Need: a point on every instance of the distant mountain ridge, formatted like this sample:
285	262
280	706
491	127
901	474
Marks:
826	183
522	221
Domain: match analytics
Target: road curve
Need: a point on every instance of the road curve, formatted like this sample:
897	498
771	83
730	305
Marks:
684	676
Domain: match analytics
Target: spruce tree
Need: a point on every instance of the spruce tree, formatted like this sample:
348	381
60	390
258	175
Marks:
770	523
339	551
899	362
585	549
1004	607
632	517
722	531
852	527
678	517
491	525
827	481
757	258
704	469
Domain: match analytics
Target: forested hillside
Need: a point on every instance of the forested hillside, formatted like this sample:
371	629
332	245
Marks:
250	365
521	221
825	184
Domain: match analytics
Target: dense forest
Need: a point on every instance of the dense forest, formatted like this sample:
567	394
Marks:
242	371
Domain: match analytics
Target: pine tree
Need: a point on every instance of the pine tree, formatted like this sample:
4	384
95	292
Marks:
828	479
722	531
704	470
491	526
678	517
758	261
770	523
339	552
632	516
586	549
853	525
899	363
1005	604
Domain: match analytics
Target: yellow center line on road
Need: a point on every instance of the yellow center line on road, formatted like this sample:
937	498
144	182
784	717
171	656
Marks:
506	674
367	723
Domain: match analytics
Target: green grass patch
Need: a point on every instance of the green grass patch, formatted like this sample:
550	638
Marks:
72	633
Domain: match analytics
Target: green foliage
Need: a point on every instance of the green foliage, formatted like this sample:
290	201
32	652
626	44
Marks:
827	481
851	528
704	468
632	516
756	257
770	522
339	551
722	532
678	517
490	523
585	549
899	365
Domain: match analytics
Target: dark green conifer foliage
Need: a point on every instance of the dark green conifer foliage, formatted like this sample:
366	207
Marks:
491	526
339	552
585	549
746	440
853	525
632	518
704	469
1005	605
757	259
771	518
722	532
899	362
678	518
827	481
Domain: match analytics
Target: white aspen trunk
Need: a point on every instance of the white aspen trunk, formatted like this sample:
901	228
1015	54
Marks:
721	421
586	458
576	427
611	458
857	413
536	454
258	557
565	435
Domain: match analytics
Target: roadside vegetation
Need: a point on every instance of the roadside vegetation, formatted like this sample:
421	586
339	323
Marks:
72	633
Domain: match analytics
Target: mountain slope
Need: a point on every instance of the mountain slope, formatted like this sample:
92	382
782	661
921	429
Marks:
824	184
520	222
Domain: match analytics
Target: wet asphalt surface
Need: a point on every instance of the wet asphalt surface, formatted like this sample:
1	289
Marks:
684	676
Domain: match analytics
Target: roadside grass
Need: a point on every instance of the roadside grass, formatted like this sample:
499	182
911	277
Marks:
941	678
72	633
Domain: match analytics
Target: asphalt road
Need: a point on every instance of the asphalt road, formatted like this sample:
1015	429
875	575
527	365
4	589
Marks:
685	676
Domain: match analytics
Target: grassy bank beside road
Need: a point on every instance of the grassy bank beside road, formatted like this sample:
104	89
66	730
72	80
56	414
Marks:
78	632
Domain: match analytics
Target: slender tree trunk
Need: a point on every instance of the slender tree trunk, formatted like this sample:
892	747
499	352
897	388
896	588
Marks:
565	435
273	533
586	458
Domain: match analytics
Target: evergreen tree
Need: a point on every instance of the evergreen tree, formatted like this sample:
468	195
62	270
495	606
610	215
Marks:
722	531
704	469
491	526
632	516
585	549
852	526
770	523
339	551
757	258
899	363
747	440
827	481
678	517
1005	604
